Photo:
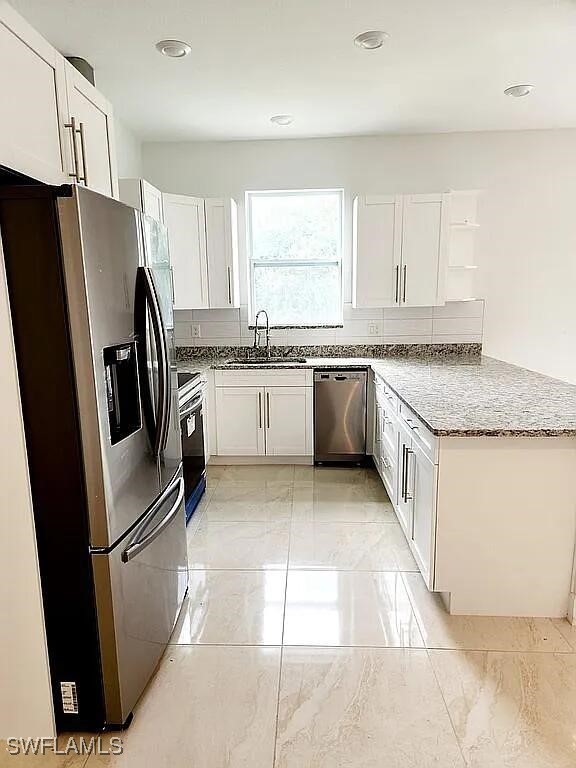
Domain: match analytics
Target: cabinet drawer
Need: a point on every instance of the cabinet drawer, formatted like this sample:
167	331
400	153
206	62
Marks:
420	433
385	396
265	377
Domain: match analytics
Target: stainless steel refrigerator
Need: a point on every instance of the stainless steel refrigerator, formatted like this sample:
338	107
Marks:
91	299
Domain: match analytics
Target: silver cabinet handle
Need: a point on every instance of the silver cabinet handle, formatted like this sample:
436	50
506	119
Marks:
74	130
229	287
84	160
268	408
408	496
259	410
403	483
412	426
404	291
397	291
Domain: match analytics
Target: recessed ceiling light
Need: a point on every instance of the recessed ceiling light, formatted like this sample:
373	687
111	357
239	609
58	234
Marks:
518	90
174	49
371	40
282	119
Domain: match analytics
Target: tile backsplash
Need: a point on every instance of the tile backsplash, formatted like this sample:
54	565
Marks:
456	322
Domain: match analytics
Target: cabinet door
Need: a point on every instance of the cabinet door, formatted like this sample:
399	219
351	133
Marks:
94	140
184	218
424	512
288	416
33	99
377	233
390	432
404	478
222	252
152	201
240	421
423	250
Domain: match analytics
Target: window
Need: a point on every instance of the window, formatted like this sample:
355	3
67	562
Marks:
294	251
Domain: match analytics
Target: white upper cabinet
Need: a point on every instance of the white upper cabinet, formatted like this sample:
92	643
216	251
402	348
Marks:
203	236
222	252
423	250
140	194
91	135
185	220
377	225
399	250
33	99
56	127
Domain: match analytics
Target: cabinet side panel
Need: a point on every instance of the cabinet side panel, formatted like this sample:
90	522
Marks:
506	525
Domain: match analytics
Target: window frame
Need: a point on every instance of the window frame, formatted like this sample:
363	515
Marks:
249	196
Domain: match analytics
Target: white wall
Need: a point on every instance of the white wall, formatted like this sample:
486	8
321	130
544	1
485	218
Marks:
528	235
25	696
128	151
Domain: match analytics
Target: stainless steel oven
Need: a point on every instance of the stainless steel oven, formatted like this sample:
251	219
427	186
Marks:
191	401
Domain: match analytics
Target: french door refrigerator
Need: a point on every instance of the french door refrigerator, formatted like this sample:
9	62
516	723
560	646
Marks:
91	301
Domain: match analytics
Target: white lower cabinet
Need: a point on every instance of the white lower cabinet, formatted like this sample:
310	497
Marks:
271	420
288	410
405	477
405	452
424	481
240	421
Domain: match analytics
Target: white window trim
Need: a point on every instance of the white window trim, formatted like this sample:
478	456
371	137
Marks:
249	196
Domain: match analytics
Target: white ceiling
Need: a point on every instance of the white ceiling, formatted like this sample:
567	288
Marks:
443	69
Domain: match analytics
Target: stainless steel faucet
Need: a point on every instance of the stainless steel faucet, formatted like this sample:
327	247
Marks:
258	330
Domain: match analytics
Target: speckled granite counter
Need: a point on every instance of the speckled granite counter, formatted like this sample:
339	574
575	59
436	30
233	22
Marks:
458	395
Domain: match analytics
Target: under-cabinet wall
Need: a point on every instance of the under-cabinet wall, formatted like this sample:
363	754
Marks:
453	323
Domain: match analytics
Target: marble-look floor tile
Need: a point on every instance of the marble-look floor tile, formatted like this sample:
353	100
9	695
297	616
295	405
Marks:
242	546
361	476
350	609
483	633
567	630
511	710
345	502
233	608
206	707
350	547
214	474
362	708
256	473
46	756
246	502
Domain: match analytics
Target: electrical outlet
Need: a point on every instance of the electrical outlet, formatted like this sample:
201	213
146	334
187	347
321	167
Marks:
196	330
374	329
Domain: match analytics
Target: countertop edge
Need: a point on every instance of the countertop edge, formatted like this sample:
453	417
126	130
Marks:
538	432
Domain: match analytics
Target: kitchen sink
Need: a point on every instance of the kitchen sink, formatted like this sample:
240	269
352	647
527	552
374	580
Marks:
265	360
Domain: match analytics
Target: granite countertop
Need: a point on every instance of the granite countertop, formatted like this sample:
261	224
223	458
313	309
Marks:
458	395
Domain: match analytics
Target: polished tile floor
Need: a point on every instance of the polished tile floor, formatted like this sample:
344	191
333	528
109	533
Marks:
308	640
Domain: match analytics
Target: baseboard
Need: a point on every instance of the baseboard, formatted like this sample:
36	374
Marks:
572	609
231	460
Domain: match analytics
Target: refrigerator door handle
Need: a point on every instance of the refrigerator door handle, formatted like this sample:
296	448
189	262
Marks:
140	545
146	299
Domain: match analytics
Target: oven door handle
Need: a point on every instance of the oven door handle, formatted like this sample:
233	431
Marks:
138	546
195	403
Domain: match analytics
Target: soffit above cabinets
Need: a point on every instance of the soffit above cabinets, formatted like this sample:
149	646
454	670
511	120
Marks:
443	67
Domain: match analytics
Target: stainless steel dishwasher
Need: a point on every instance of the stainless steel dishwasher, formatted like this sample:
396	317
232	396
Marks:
339	416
